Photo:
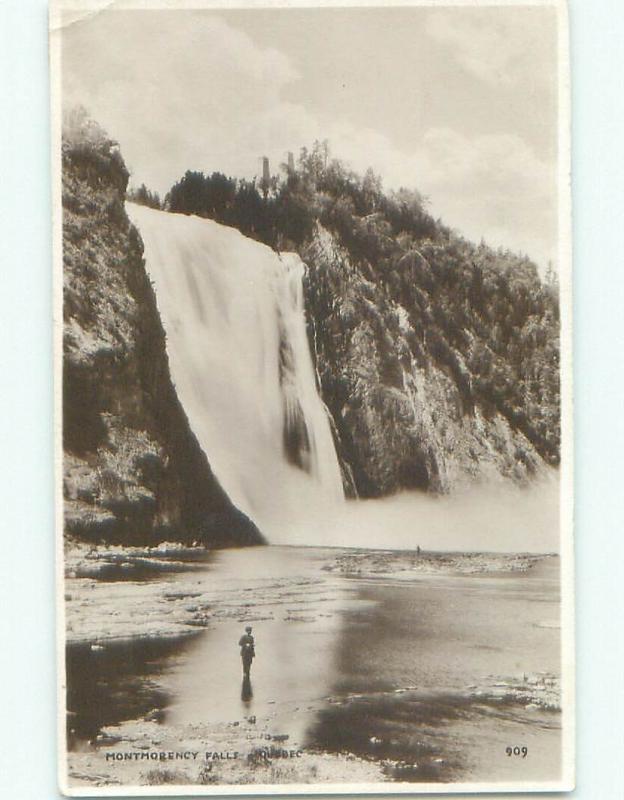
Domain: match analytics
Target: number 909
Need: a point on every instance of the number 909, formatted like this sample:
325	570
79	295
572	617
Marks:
517	751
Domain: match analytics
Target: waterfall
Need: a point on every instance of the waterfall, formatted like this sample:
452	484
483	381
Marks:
234	318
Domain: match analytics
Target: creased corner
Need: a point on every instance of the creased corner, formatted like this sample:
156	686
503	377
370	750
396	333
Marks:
63	17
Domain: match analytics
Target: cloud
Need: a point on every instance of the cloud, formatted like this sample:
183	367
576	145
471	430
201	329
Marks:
177	90
190	91
491	186
497	48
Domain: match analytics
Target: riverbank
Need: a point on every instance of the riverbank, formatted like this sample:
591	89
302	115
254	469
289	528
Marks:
115	592
371	666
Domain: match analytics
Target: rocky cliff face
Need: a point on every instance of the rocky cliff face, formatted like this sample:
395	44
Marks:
408	409
437	358
133	471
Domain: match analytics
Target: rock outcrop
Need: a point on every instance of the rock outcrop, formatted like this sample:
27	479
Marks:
437	358
406	409
133	472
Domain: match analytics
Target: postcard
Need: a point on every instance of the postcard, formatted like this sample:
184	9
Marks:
313	397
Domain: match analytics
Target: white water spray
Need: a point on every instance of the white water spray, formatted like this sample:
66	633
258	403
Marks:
233	313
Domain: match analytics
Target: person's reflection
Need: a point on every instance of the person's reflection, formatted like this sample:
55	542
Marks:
246	691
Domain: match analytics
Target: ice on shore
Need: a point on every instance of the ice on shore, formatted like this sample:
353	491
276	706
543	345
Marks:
404	565
541	690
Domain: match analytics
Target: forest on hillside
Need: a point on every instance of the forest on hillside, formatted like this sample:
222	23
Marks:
484	316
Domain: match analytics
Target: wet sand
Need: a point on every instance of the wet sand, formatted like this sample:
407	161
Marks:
371	666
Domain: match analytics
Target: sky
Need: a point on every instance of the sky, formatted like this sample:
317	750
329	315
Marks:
459	103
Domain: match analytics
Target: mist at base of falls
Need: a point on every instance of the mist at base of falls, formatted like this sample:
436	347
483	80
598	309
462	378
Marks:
494	518
234	318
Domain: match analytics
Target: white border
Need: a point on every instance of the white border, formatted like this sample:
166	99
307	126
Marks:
566	520
90	7
567	781
56	168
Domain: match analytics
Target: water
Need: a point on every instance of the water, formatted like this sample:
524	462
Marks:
233	313
434	674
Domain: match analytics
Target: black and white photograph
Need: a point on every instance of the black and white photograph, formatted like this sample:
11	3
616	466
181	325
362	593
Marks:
313	397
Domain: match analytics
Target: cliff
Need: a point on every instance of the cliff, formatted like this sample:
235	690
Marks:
437	358
408	409
133	471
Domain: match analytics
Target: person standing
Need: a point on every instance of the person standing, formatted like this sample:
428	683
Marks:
247	646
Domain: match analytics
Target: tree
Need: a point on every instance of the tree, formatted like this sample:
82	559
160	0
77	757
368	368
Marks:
144	197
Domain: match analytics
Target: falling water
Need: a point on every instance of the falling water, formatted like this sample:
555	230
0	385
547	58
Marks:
233	314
